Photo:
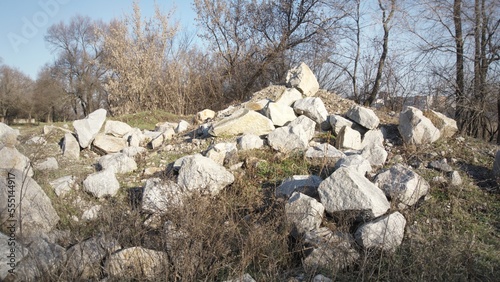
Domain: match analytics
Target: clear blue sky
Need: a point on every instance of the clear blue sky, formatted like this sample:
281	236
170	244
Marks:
24	23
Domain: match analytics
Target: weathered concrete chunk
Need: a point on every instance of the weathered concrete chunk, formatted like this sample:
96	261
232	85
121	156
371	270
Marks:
70	146
447	126
287	139
136	262
280	114
363	116
303	79
243	122
289	96
109	144
198	173
305	184
347	190
402	184
384	233
250	141
86	129
348	138
159	195
355	162
101	184
36	212
415	128
313	108
118	163
117	128
63	185
304	212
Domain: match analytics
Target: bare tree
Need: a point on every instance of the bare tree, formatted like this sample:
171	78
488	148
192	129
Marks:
16	91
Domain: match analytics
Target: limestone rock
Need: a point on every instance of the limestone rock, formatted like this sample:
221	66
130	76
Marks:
355	162
305	184
86	129
313	108
304	212
9	255
71	147
441	165
206	114
280	114
92	212
447	126
133	151
222	153
159	195
323	152
182	126
384	233
337	122
289	96
415	128
373	137
8	136
376	155
198	173
118	163
243	122
37	214
63	185
402	184
109	144
47	164
303	79
117	128
288	139
363	116
347	190
136	262
348	138
308	125
250	141
13	159
101	184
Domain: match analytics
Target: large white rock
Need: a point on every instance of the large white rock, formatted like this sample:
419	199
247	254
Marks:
375	154
355	162
250	141
70	146
348	138
305	184
86	129
206	114
198	173
447	126
347	190
373	137
101	184
337	122
289	96
313	108
402	184
243	122
415	128
138	263
117	128
280	114
302	78
304	212
159	195
32	206
384	233
363	116
182	126
287	139
221	152
13	159
118	163
8	135
323	152
109	144
307	124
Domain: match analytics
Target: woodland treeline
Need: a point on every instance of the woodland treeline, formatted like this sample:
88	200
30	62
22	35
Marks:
369	51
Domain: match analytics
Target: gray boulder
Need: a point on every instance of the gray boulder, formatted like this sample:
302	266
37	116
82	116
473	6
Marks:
117	128
43	258
373	137
118	163
250	141
86	129
288	139
304	212
101	184
109	144
415	128
363	116
305	184
136	262
376	155
347	190
337	122
243	121
198	173
159	195
402	184
70	146
313	108
10	255
384	233
302	78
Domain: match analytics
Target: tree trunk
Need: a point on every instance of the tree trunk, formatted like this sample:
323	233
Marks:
460	79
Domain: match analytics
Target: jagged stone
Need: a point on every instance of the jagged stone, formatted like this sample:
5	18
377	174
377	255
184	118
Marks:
306	184
37	140
118	163
47	164
302	78
156	142
136	262
70	146
337	122
347	190
323	152
348	138
313	108
133	151
289	96
415	128
376	155
198	173
243	122
441	165
363	116
159	195
36	212
182	126
86	129
206	114
117	128
304	212
447	126
384	233
280	114
355	162
8	136
456	180
63	185
109	144
373	137
402	184
164	126
307	124
250	141
10	255
222	152
13	159
258	106
288	139
92	212
101	184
